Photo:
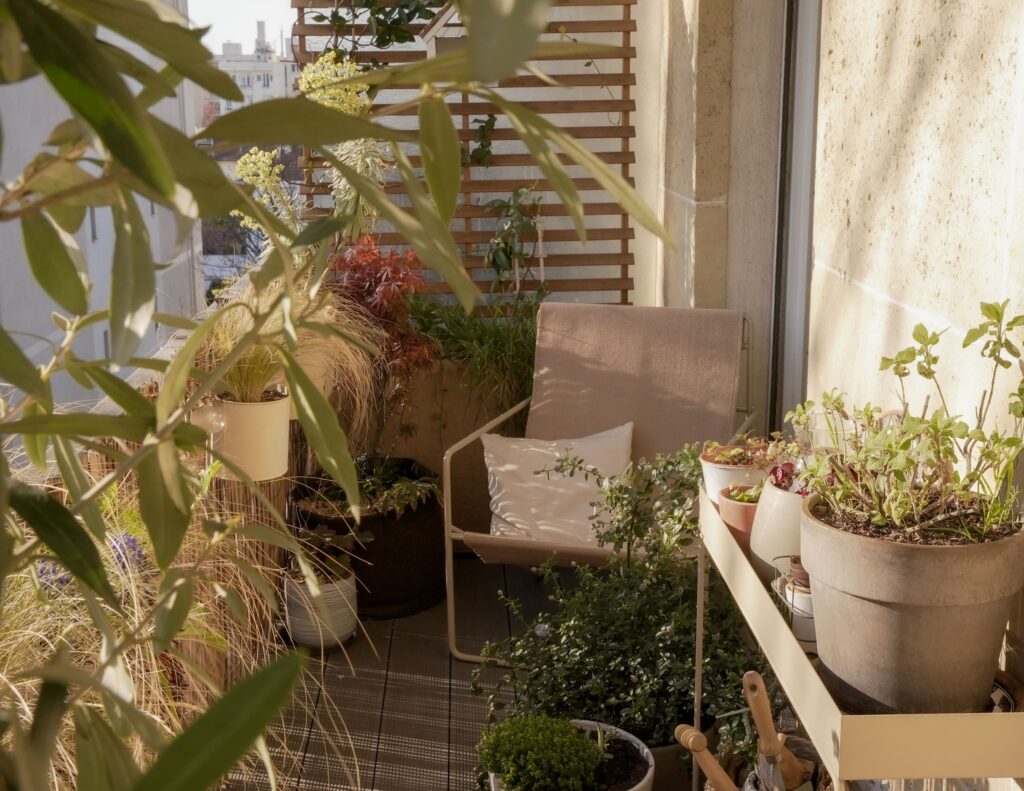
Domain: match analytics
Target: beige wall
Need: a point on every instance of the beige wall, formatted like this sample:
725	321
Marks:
708	108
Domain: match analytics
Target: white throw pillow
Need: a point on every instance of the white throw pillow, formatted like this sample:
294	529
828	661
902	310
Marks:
553	508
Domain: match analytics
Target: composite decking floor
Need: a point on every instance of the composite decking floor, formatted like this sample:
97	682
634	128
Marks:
392	711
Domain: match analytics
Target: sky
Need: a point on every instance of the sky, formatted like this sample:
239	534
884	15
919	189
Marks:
235	20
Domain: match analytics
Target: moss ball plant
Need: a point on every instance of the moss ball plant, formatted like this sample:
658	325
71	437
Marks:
534	752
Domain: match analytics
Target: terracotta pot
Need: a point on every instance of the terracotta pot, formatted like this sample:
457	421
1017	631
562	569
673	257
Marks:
254	437
776	531
908	628
648	782
738	517
321	627
798	573
721	476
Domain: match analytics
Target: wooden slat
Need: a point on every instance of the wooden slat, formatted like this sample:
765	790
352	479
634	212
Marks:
568	26
439	3
566	260
571	107
579	132
507	160
413	55
488	185
483	237
595	79
564	286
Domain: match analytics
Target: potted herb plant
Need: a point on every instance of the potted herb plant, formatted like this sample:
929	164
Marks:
728	465
738	504
775	534
913	541
619	646
332	620
540	753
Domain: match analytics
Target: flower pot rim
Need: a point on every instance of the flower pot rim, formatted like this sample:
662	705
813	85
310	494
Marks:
898	546
283	395
726	465
724	494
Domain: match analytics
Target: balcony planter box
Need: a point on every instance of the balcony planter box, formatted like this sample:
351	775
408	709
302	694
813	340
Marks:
908	628
775	534
254	436
306	621
718	476
400	570
646	784
738	516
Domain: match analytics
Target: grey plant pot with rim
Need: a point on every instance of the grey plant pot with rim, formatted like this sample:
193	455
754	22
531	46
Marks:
908	628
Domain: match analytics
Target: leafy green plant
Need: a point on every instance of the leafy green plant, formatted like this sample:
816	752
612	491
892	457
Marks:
763	452
925	476
480	153
533	752
110	153
748	494
507	253
386	24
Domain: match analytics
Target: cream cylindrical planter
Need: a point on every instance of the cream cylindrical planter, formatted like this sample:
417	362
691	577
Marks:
254	437
799	601
646	784
908	628
775	534
305	621
721	476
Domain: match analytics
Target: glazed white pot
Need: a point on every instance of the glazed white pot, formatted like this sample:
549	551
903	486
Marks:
305	621
722	476
646	784
776	531
254	437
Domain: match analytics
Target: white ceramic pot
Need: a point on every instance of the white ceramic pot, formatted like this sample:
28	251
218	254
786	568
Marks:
306	622
646	784
801	611
254	437
722	476
776	531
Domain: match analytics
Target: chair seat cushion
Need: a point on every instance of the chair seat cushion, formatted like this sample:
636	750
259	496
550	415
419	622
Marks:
550	507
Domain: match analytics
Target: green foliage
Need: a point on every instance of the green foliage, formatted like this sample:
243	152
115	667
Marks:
480	153
930	475
749	494
386	24
507	252
533	752
762	452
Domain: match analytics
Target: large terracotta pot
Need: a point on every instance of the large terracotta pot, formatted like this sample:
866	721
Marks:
908	628
646	784
721	476
775	533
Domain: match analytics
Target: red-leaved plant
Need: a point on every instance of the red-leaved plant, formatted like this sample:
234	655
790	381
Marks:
381	281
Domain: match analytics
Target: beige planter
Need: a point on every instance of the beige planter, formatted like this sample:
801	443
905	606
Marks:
647	784
907	628
254	437
722	476
776	531
306	621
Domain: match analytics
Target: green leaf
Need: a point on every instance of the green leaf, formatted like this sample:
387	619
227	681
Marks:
212	744
214	195
886	364
173	611
921	334
975	334
19	371
102	760
64	536
502	34
81	424
163	31
56	262
258	580
78	483
993	311
35	443
133	281
319	229
295	121
442	155
320	424
165	520
78	70
46	720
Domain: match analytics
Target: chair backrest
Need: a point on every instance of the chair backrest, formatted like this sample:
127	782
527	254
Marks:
674	372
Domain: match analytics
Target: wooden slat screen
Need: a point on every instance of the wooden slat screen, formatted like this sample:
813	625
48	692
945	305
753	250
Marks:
594	101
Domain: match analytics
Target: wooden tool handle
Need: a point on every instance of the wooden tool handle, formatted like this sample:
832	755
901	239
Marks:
694	741
761	710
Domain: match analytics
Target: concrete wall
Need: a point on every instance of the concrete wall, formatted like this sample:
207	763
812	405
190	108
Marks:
708	114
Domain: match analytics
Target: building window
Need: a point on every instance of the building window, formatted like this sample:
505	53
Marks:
227	105
92	224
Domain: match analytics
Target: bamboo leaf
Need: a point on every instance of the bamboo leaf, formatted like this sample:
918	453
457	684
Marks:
502	34
320	424
102	760
212	744
77	483
442	155
133	281
18	370
56	262
173	611
81	424
120	392
214	195
165	521
64	536
78	70
35	443
295	121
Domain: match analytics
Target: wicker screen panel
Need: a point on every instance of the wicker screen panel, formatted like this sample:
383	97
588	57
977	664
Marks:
592	99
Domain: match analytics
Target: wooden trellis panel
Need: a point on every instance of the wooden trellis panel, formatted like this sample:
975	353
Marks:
593	100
